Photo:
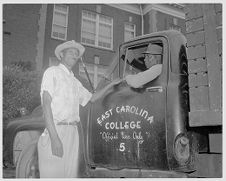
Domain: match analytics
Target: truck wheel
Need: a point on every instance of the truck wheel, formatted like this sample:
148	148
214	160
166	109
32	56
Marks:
27	165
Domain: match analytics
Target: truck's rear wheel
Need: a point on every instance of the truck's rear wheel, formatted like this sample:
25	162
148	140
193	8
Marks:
27	165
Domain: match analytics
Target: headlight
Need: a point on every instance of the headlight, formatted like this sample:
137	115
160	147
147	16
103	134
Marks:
182	149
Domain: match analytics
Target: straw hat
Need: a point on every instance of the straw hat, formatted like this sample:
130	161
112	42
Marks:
69	44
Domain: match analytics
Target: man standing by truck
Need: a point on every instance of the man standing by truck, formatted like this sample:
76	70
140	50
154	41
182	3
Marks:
61	95
153	62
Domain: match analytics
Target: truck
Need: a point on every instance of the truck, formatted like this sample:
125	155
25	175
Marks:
169	127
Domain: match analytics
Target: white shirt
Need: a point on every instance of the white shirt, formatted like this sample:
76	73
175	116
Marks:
142	78
66	91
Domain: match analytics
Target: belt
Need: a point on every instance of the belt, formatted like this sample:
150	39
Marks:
73	123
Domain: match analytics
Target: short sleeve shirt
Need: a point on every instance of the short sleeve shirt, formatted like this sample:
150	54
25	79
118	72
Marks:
66	91
138	80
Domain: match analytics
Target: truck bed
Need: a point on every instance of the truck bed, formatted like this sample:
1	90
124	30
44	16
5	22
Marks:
204	53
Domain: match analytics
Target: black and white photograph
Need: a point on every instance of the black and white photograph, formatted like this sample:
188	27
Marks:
112	90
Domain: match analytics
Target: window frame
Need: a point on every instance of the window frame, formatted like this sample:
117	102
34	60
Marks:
66	26
174	25
163	77
97	27
134	30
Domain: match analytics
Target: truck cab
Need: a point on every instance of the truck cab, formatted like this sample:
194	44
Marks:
142	131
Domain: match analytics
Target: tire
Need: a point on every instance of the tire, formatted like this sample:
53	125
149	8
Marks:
27	165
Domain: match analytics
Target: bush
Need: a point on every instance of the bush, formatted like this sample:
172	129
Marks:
25	65
20	89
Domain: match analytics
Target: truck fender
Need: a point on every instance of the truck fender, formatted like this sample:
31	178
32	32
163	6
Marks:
27	165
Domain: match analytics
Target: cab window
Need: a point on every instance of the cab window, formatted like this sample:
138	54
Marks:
135	59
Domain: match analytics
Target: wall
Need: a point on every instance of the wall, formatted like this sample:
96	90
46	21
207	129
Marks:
22	22
74	31
21	25
158	21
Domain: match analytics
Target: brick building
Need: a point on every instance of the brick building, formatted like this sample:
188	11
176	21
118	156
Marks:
32	31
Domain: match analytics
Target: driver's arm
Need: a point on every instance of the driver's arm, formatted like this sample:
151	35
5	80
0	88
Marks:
97	95
142	78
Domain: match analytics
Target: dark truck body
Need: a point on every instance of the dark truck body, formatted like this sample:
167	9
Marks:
138	129
162	129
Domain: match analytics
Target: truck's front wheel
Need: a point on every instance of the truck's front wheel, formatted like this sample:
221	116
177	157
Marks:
27	165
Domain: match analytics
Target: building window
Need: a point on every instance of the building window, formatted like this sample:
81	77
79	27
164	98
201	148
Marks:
175	21
129	31
97	30
60	22
174	25
96	73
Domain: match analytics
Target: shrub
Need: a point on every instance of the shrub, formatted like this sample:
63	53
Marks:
25	65
20	89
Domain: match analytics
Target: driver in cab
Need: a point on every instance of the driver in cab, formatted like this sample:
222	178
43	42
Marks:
153	62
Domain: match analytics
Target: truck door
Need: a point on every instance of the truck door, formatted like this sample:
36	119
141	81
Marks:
127	126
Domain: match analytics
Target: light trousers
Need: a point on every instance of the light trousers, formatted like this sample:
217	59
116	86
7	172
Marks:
51	166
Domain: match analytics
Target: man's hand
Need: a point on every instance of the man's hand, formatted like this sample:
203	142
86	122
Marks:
57	147
116	81
101	92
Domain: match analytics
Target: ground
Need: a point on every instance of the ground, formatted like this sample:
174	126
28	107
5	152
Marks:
8	173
